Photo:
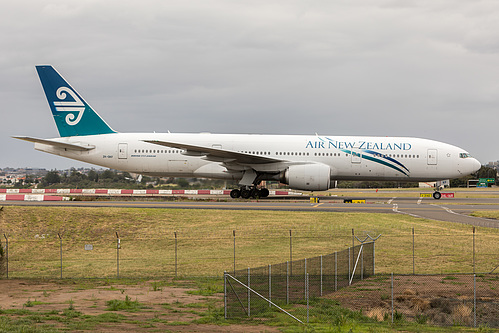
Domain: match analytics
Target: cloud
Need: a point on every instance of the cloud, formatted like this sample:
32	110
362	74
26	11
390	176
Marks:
415	68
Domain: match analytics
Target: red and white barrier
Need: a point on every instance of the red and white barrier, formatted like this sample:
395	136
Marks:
31	197
51	194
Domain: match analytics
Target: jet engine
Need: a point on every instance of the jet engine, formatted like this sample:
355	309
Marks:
309	177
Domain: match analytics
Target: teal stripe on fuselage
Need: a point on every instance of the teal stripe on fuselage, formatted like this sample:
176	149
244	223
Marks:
376	160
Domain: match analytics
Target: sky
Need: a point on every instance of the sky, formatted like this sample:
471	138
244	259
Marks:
425	68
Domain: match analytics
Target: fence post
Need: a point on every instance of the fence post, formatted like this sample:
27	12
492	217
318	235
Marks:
118	255
353	238
305	278
307	292
392	297
234	234
473	250
336	271
362	265
349	268
374	257
249	294
474	299
270	285
321	274
6	255
287	282
60	241
225	294
175	233
291	252
413	257
353	256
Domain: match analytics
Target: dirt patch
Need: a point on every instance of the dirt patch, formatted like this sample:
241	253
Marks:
163	308
437	299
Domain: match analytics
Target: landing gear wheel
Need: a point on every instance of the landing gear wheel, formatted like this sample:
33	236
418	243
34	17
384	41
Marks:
245	194
255	193
264	193
234	194
437	195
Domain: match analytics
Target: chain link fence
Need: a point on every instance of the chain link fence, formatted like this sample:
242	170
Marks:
52	255
253	291
442	300
448	299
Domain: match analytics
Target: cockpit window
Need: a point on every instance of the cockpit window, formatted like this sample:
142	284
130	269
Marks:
464	155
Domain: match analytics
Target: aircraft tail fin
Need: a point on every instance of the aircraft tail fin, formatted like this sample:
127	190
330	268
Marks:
72	114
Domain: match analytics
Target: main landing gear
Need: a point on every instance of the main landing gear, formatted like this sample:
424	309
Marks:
249	192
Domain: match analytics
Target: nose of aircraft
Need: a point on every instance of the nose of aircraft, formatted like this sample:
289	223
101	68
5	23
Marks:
475	165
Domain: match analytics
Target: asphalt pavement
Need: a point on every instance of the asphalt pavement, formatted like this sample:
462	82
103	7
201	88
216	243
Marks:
446	209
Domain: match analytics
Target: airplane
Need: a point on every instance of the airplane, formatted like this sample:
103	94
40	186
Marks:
304	162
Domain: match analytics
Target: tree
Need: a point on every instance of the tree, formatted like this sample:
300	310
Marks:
182	183
107	174
93	176
52	177
29	179
75	177
486	172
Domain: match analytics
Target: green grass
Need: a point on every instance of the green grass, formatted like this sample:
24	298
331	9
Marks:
489	214
205	241
325	316
124	305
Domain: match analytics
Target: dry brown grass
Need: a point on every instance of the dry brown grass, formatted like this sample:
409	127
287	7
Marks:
462	314
205	240
377	313
419	304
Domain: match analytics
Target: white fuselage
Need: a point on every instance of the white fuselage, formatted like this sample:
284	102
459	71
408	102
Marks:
349	157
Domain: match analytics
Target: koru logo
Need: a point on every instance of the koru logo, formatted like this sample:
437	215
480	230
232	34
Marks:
75	108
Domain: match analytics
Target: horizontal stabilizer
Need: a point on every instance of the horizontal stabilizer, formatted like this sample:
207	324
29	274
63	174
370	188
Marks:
57	144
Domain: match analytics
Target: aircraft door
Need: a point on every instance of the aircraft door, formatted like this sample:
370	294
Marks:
432	157
356	157
122	151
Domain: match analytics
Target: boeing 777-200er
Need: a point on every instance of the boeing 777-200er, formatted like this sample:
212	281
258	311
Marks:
304	162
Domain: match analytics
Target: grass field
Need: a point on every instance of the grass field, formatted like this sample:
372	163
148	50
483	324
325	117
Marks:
487	214
205	245
112	305
205	241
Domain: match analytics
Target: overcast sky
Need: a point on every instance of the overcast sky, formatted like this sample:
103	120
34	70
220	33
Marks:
369	67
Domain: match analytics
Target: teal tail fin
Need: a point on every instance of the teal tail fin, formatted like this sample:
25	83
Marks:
73	116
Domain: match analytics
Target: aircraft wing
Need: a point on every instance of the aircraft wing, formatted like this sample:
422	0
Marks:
216	154
58	144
